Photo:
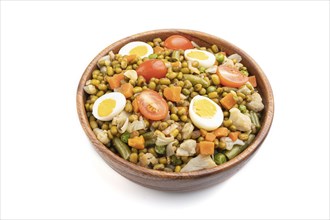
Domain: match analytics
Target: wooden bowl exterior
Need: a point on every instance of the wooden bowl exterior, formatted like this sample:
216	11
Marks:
189	181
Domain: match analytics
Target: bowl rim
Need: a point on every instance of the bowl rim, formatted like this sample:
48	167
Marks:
260	137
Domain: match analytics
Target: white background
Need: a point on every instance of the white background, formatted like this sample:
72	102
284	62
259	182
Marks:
48	166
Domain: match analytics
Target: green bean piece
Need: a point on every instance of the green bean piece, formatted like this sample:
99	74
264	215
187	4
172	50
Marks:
237	149
153	56
220	158
124	137
122	148
160	149
150	142
148	135
255	119
176	55
196	80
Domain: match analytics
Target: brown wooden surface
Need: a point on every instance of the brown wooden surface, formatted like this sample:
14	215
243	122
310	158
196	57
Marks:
180	181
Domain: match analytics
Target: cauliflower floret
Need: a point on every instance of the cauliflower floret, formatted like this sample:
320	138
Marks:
187	130
170	149
245	90
256	103
187	148
230	143
101	135
146	159
242	122
198	163
90	89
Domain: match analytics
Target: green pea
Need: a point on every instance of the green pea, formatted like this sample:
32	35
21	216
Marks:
211	89
215	79
171	75
195	64
219	57
137	89
185	91
182	111
185	70
160	149
242	108
202	91
220	158
227	123
159	167
165	81
213	95
174	117
152	85
215	48
198	87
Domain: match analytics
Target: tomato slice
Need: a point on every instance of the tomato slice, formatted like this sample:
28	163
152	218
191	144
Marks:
152	105
230	76
152	68
177	42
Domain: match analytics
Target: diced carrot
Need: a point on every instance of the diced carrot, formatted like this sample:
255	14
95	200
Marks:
136	142
234	135
126	89
130	58
172	93
135	105
209	136
221	132
206	147
203	132
228	101
158	49
253	81
114	81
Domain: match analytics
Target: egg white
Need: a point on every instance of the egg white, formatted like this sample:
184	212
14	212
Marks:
125	50
207	123
120	105
204	63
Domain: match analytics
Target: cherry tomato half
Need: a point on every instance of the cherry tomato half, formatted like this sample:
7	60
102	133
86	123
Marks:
152	68
152	105
230	76
177	42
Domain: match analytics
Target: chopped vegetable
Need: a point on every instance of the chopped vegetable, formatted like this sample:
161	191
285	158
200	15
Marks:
158	49
160	149
196	80
136	142
122	148
230	154
135	106
228	101
256	104
136	125
253	81
187	130
220	158
146	159
126	89
170	149
131	74
152	68
187	148
114	81
240	121
101	135
198	163
255	119
130	58
221	132
173	93
206	147
162	140
210	136
177	42
234	135
152	105
121	121
124	137
230	143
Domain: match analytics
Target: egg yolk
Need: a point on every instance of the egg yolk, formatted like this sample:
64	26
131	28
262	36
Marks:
197	55
139	51
106	107
204	108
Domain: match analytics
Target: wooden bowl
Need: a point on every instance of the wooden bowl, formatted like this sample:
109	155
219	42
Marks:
189	181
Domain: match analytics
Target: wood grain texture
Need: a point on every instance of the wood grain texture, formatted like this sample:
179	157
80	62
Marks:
189	181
